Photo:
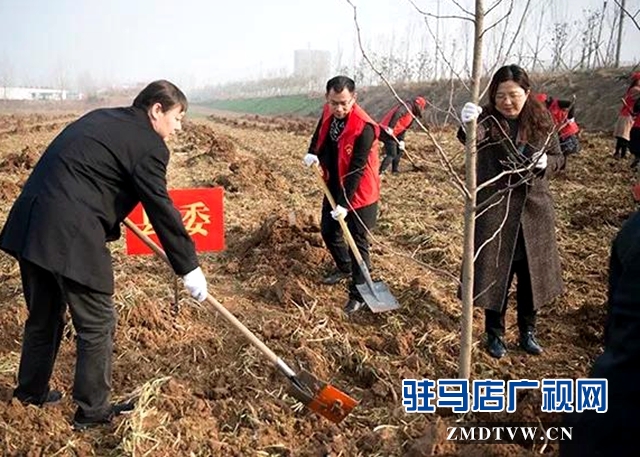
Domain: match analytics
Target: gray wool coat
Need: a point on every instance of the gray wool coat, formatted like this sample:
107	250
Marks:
527	206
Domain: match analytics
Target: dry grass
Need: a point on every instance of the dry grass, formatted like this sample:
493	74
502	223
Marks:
204	390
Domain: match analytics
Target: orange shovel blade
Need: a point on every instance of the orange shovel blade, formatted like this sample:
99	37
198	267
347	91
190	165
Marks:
325	399
332	404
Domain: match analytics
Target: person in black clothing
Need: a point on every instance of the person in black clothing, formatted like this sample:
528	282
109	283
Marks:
614	431
85	184
393	127
344	145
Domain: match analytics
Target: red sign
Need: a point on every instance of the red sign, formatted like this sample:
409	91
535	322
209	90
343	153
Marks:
202	215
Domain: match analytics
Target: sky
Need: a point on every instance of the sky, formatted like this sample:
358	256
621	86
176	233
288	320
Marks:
200	42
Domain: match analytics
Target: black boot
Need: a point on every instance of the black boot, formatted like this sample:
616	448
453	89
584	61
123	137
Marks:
335	277
81	422
353	305
52	397
529	344
496	346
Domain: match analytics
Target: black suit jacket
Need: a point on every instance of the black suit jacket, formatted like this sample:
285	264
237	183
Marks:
614	432
620	362
87	181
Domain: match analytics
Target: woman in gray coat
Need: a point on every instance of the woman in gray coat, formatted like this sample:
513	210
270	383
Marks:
515	224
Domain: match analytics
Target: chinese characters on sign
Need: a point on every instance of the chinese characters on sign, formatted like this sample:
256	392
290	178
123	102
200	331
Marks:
488	395
202	215
195	217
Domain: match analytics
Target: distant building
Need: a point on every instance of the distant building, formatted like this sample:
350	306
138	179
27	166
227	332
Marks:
32	93
312	64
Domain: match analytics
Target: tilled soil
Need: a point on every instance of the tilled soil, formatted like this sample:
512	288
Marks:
204	390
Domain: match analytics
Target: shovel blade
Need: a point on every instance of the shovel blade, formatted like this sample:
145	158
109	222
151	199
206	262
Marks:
377	296
322	397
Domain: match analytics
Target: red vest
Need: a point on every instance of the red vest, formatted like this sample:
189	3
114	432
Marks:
630	99
402	124
368	190
565	126
627	105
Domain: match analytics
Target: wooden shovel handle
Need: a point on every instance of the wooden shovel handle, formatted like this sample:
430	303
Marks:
395	138
273	358
341	221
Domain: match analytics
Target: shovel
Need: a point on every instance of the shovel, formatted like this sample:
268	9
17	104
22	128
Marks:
406	153
375	294
316	395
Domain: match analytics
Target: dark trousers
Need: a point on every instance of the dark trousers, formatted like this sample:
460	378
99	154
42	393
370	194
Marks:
94	318
570	145
334	240
621	147
494	320
634	142
392	157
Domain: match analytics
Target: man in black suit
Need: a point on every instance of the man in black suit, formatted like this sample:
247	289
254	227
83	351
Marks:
85	184
614	431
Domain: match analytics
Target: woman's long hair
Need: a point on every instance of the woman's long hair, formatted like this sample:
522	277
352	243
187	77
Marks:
534	119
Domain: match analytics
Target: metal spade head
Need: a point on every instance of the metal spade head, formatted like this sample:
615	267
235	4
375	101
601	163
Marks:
321	397
377	296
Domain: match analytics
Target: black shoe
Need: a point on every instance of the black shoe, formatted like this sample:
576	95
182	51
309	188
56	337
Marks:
81	422
52	397
353	305
495	346
336	277
529	344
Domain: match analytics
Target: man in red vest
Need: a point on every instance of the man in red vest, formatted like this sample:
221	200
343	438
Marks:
393	126
563	112
345	146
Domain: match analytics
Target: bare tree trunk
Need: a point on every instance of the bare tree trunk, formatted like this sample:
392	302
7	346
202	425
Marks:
436	70
464	366
617	62
536	51
598	52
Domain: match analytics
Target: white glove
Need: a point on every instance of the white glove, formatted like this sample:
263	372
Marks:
469	112
389	131
339	213
311	159
540	159
401	145
196	284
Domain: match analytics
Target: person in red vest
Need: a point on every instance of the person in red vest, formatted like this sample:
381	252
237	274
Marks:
393	126
563	114
623	125
346	148
634	134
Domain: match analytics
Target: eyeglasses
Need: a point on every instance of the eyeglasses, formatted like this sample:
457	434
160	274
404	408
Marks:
501	96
